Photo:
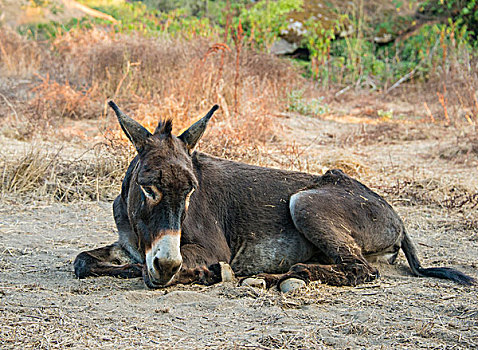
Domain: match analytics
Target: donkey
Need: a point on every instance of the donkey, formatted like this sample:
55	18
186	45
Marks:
184	216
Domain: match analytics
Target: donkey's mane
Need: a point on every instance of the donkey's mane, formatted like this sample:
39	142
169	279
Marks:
164	127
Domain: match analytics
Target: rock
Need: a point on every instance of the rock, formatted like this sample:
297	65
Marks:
291	284
254	282
283	47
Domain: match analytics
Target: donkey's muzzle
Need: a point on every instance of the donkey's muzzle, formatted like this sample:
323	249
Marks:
161	275
163	260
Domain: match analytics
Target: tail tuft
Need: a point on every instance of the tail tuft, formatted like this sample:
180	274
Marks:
449	274
437	272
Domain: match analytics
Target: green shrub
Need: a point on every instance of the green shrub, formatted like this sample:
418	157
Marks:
265	21
311	107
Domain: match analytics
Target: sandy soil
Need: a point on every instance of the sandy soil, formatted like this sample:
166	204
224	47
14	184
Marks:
422	171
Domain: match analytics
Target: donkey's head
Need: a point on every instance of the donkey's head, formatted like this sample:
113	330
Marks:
160	189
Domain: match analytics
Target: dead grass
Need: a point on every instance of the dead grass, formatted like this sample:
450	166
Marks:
28	172
392	132
456	88
464	149
449	96
151	79
433	192
19	57
348	164
53	102
156	78
94	175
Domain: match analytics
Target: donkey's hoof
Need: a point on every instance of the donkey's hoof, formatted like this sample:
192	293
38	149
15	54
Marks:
254	282
291	284
227	275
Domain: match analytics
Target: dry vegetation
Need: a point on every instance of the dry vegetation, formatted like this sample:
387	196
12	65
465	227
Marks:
61	144
46	87
94	175
153	78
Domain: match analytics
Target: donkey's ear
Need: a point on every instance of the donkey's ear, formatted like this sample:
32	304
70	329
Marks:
192	135
135	132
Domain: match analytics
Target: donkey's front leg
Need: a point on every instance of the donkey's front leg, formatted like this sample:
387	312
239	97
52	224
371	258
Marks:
207	275
111	260
198	267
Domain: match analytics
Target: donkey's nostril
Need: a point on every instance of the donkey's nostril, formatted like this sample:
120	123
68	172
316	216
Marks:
156	265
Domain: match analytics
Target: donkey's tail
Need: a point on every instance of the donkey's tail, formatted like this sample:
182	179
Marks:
438	272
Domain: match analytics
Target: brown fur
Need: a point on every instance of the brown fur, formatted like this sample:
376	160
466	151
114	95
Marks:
279	224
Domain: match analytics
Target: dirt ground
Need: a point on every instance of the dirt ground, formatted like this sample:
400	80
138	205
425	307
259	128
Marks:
429	174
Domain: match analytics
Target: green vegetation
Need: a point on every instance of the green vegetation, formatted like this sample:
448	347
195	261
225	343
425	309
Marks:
310	107
132	17
266	20
348	45
354	58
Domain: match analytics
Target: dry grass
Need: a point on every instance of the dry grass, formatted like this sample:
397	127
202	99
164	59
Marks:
94	175
53	101
19	57
28	172
456	88
449	96
151	79
433	191
154	78
347	163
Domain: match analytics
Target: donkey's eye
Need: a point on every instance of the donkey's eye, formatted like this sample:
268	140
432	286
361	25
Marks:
151	192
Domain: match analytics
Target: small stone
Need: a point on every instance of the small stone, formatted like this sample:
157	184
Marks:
254	282
291	284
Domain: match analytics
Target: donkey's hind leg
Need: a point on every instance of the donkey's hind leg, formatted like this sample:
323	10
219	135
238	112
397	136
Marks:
111	260
315	216
343	274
